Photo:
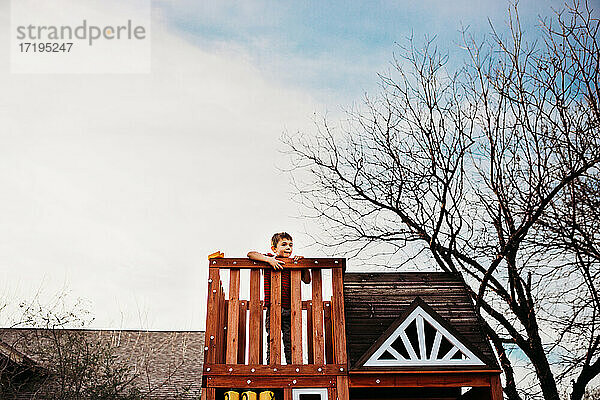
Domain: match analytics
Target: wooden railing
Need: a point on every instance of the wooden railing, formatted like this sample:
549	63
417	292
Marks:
226	341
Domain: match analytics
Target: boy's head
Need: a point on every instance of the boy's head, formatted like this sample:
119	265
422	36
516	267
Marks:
282	244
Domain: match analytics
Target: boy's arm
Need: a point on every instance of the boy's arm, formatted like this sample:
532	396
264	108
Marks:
275	263
305	272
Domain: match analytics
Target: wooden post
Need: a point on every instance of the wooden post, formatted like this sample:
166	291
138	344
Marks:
339	321
212	314
255	325
241	359
233	311
275	319
296	317
208	394
317	317
328	333
309	336
342	388
495	388
287	393
332	393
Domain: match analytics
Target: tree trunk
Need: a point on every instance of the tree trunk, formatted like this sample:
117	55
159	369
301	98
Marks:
542	367
588	373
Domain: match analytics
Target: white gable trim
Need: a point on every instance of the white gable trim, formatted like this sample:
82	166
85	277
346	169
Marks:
419	356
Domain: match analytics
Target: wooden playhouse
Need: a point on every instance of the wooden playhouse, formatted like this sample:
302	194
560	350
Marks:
374	336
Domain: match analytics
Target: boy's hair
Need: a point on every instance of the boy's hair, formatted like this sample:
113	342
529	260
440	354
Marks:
280	236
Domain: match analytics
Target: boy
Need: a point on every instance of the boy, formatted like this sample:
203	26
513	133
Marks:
282	246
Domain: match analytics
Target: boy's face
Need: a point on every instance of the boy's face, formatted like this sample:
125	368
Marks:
284	248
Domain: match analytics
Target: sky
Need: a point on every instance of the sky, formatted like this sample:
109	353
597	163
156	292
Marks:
115	187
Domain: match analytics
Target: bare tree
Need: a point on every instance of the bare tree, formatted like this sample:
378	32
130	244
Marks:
43	359
491	171
46	354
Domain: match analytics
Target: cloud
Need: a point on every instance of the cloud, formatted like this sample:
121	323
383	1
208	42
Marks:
118	186
335	49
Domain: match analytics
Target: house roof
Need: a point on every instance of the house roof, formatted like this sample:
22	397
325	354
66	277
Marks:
169	364
12	355
374	302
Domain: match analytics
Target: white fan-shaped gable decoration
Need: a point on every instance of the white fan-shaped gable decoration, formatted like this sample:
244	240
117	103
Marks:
420	340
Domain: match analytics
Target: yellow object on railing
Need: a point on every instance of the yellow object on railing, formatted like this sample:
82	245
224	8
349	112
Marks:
267	395
249	395
216	254
232	395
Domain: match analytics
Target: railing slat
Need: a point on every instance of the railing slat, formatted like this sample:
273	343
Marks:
233	312
275	319
219	328
223	328
309	336
296	317
317	317
221	323
255	323
241	359
260	342
339	322
328	333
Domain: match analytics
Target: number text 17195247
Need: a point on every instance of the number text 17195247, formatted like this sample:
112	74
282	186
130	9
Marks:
27	47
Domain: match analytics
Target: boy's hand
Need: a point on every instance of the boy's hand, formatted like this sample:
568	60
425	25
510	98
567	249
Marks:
298	258
275	263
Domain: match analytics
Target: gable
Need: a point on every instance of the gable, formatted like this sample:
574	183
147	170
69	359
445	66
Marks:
420	338
377	303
